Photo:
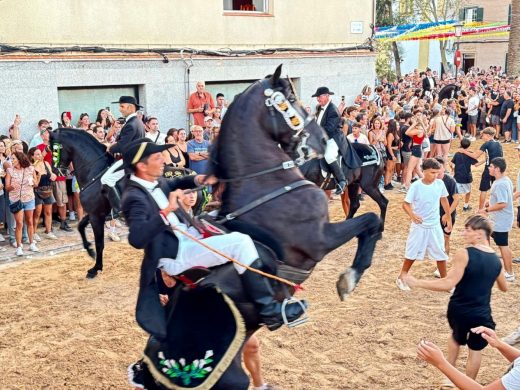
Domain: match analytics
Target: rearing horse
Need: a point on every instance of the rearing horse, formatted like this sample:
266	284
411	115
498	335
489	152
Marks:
263	188
90	159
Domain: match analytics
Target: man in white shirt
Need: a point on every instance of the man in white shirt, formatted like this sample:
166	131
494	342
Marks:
473	103
153	132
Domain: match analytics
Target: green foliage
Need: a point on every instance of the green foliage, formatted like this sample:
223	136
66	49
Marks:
384	61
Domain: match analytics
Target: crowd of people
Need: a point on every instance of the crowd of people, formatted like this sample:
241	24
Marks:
415	129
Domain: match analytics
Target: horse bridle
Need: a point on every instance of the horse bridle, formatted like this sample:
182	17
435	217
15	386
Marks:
276	101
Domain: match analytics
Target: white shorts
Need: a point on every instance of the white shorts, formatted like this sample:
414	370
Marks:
422	241
463	189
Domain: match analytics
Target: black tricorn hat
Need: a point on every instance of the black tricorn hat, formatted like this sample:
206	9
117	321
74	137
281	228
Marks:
139	149
322	91
129	100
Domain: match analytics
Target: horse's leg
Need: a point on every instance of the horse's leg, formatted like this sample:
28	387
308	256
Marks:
82	225
379	198
353	194
366	227
345	202
98	226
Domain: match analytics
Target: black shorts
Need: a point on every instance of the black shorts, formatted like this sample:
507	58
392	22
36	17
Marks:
461	330
501	238
68	184
416	151
486	180
453	217
441	141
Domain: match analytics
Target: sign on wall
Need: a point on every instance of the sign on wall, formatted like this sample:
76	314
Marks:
356	27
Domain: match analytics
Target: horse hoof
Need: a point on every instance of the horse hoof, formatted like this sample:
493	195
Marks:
346	283
92	273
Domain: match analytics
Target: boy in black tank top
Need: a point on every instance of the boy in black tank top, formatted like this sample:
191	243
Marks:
475	270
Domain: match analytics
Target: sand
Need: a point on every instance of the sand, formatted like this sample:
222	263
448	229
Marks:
60	330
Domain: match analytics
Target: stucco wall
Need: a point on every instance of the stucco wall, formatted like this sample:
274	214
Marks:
193	23
31	88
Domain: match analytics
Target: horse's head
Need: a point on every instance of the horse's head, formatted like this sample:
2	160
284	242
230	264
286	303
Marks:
61	155
287	120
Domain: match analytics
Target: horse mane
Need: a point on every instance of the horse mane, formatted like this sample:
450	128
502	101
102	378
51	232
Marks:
83	138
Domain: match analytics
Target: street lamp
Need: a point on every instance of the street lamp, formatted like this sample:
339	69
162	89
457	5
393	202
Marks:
458	60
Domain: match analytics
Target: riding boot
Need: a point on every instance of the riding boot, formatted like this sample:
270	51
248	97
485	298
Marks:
114	199
339	176
270	310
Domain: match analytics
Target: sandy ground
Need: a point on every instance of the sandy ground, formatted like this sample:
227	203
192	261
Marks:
59	330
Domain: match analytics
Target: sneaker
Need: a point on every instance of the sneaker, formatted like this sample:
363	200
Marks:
388	187
114	237
51	236
13	244
19	251
36	237
403	190
2	239
72	216
472	139
402	285
33	247
25	241
466	208
509	277
437	274
516	260
64	226
513	338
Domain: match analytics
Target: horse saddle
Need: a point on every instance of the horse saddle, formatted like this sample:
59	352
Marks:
346	150
368	154
205	332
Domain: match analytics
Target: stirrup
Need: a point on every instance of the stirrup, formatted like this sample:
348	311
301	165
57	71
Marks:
299	321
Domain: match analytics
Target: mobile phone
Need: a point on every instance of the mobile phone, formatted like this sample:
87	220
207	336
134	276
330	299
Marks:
343	98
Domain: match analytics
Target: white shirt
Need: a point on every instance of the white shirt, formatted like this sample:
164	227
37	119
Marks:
511	380
157	137
322	112
473	104
362	139
36	140
130	116
425	201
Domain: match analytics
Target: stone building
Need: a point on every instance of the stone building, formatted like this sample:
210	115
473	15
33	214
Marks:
79	56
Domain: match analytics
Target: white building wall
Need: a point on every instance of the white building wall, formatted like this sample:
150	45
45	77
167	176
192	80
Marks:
30	88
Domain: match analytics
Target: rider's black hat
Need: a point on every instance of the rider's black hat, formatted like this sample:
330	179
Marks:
139	149
129	100
322	91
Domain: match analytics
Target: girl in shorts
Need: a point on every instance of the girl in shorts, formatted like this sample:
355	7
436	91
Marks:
475	270
418	132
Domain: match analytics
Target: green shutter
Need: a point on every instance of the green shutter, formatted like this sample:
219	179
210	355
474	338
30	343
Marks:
462	14
509	11
480	14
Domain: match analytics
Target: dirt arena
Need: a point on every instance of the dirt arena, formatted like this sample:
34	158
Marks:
59	330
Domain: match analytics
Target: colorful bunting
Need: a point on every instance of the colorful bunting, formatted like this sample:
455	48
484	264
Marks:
440	31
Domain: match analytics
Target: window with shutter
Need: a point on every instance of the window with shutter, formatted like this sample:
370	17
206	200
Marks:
479	14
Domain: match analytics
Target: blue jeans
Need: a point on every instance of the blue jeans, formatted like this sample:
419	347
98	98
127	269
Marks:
514	133
11	225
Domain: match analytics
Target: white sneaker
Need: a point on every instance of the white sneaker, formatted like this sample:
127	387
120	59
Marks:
19	251
72	216
33	247
513	338
437	274
36	237
13	244
402	285
2	239
509	277
51	236
118	224
114	237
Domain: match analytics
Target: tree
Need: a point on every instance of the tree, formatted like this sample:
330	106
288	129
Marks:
388	13
440	10
513	57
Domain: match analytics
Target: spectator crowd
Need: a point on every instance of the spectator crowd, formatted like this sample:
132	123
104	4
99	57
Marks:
425	127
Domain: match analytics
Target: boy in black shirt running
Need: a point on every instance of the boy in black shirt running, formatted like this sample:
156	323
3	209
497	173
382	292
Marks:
461	164
492	149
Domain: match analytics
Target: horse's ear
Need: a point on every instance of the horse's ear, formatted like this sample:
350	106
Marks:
276	76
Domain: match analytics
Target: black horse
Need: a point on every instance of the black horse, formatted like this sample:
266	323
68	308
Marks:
267	197
367	178
448	92
248	157
89	160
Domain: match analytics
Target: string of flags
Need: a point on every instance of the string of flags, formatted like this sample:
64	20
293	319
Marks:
440	31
